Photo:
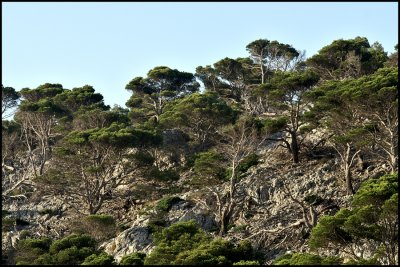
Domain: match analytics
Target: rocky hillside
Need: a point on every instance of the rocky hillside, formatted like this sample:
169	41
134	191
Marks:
289	162
280	204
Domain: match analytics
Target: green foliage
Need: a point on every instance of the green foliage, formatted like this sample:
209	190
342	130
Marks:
99	226
372	218
156	223
184	243
244	262
7	224
5	213
208	168
347	58
244	165
357	136
70	250
106	220
79	241
99	259
164	175
376	191
117	135
247	162
161	86
144	158
24	234
136	258
28	250
198	115
238	229
166	203
227	78
174	239
84	97
306	259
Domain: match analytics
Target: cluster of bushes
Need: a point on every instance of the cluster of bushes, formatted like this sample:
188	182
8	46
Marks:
185	243
71	250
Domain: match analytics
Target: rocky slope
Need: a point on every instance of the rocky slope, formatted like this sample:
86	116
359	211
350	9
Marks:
281	201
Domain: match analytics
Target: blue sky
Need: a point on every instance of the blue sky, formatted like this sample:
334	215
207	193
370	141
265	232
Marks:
106	44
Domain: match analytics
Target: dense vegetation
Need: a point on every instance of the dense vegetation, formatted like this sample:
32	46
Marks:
175	137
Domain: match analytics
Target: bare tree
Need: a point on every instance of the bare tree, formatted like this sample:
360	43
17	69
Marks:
238	142
15	162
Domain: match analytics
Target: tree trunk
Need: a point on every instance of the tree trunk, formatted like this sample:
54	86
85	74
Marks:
226	214
224	225
294	147
262	71
347	172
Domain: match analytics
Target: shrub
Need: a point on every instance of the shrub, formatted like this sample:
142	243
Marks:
244	165
239	228
7	224
79	241
371	218
99	259
299	259
99	226
185	243
24	234
156	224
136	258
165	175
242	262
247	162
28	250
208	168
166	203
71	250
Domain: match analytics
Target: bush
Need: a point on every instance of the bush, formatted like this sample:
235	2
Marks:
156	224
28	250
7	224
136	258
242	262
208	168
244	165
166	203
99	259
71	250
185	243
79	241
239	228
99	226
372	217
299	259
165	176
24	234
247	162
